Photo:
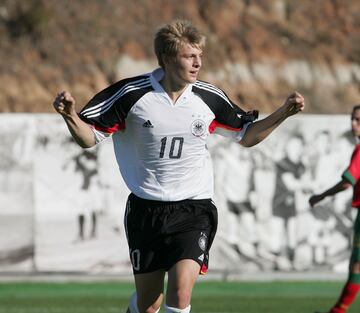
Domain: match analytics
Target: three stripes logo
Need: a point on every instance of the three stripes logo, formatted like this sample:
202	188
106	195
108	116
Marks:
104	106
148	124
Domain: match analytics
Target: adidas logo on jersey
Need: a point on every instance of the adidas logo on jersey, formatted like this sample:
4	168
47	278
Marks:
148	124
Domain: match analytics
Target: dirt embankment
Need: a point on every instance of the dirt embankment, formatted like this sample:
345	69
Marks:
257	50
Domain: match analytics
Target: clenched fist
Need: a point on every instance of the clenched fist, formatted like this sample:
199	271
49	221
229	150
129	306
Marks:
64	104
295	103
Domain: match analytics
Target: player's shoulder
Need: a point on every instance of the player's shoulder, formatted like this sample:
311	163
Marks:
125	91
138	84
213	96
140	81
208	88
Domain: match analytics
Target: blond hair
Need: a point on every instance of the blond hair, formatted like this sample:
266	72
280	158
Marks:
170	37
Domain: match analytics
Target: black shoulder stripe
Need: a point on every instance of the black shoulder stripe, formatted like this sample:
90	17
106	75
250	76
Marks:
106	98
128	100
226	112
111	106
212	89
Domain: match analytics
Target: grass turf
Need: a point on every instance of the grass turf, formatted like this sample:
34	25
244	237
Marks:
208	297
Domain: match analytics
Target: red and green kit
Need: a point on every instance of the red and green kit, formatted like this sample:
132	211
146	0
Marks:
352	175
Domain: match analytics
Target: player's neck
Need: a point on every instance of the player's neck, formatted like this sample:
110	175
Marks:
172	87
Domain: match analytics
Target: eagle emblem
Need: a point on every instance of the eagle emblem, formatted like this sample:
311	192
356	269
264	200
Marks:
198	128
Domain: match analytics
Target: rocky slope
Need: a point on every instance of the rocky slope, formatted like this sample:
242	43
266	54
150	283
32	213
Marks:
257	50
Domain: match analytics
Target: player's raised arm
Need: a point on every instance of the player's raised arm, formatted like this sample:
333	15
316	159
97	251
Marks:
64	104
259	130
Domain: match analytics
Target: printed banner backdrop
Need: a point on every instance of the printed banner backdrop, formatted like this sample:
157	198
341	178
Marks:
62	207
16	195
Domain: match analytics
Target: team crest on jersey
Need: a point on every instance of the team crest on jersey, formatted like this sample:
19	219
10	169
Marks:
198	128
202	241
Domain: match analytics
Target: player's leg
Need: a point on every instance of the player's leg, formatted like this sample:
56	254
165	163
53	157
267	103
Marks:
190	252
349	291
149	293
181	279
352	286
145	240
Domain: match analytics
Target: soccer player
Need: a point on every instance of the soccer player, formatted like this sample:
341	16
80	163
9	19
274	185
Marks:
351	177
159	123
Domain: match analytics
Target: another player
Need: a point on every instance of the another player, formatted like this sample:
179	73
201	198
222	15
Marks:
159	124
351	177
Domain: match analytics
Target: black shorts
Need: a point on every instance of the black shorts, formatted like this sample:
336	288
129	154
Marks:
162	233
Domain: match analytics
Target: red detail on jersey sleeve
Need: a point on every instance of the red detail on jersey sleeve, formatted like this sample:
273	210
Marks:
354	171
112	129
214	124
354	167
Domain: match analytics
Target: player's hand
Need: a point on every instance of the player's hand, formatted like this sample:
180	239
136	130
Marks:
64	104
295	103
315	199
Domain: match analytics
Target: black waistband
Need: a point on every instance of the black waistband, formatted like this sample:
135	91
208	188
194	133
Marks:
134	198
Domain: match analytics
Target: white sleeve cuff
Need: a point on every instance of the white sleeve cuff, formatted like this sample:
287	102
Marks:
239	135
99	135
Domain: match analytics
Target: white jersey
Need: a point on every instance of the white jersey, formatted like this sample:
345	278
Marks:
160	145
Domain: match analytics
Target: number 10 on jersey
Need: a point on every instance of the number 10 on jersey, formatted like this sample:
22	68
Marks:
175	149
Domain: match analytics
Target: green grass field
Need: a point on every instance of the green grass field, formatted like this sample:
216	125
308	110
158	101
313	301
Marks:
209	297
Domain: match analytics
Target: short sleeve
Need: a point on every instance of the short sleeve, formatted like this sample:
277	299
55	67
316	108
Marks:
230	120
106	112
352	173
102	113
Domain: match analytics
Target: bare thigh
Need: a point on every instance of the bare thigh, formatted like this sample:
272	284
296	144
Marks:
150	290
181	280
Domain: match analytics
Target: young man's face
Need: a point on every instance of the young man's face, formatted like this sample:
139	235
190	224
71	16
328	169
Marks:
355	123
185	67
